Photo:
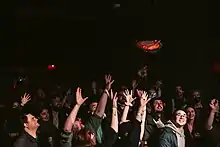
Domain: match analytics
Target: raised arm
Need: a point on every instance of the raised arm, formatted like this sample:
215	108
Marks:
114	122
143	123
72	117
135	133
111	136
128	103
65	97
213	105
143	102
103	101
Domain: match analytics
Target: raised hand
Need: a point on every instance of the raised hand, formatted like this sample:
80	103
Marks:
108	82
142	94
214	105
25	98
114	99
129	98
143	97
79	99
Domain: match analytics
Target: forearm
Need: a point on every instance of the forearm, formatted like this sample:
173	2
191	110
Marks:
114	122
140	114
102	104
159	93
71	118
125	114
143	124
64	100
210	120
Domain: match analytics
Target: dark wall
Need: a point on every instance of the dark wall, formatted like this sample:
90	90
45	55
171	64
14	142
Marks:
87	41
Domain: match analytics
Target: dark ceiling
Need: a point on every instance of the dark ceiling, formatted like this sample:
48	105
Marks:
95	37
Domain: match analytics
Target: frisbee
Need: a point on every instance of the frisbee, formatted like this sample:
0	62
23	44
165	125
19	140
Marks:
149	45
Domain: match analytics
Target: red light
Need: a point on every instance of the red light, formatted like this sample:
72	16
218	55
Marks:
51	67
149	46
216	67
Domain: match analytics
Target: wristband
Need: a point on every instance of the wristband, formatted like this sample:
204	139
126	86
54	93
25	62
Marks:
114	107
106	91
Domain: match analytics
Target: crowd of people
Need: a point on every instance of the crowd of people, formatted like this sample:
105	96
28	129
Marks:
126	117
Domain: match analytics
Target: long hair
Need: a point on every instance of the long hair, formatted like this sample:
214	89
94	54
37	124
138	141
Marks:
82	139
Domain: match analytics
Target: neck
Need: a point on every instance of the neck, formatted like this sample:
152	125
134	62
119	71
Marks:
31	132
180	129
191	121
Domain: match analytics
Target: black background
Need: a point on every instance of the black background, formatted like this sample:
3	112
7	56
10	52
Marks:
89	38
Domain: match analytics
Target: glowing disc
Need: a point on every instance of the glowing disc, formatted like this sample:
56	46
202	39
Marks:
149	46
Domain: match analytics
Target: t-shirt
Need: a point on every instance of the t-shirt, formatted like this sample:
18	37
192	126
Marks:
109	139
94	124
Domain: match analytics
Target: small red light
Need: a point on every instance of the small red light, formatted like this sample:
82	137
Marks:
51	67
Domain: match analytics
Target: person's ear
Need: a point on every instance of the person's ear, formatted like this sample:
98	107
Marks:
25	125
164	104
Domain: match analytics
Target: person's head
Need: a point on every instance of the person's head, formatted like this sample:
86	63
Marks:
78	125
44	114
190	111
93	106
158	105
179	118
56	102
121	97
196	96
152	90
30	122
85	138
179	91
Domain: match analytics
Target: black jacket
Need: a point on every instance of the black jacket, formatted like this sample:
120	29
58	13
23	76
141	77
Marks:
152	132
26	140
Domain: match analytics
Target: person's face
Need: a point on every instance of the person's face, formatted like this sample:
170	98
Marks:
179	90
15	105
57	102
90	136
121	97
78	125
32	122
180	118
196	94
93	106
44	115
158	106
190	113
